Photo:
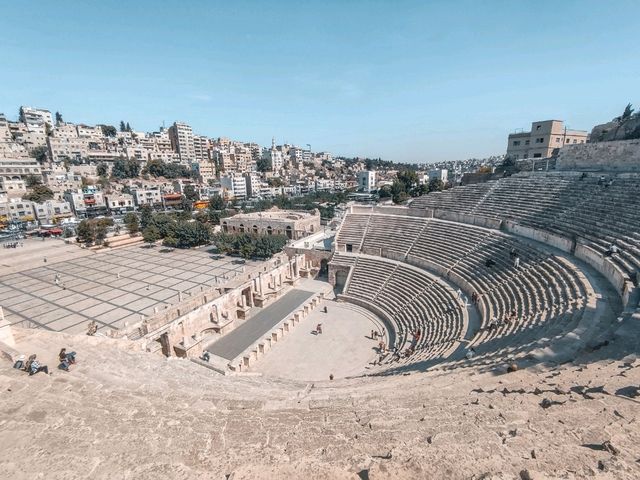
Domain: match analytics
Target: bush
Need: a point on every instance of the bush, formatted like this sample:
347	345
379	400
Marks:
249	245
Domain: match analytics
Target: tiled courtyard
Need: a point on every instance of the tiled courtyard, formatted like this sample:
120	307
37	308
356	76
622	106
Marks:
111	288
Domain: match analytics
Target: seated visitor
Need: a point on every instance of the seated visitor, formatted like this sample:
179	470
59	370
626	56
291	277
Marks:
20	363
66	359
205	356
490	262
33	366
613	249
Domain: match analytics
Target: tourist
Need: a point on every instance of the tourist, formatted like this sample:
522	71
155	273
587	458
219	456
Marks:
516	262
601	180
513	253
57	279
490	262
66	359
381	347
20	364
613	249
319	329
92	329
206	356
325	309
459	293
331	376
470	353
33	366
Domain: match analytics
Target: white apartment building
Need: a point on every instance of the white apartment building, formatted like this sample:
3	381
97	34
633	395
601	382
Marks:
18	168
147	196
234	186
441	174
181	136
120	203
367	180
201	148
36	116
51	210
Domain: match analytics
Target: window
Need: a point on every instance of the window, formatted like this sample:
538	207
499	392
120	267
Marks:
575	141
567	141
537	155
515	144
349	247
527	142
539	140
558	140
538	127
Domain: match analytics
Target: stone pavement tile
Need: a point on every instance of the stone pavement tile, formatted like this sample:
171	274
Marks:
184	286
55	295
113	315
125	299
16	299
50	316
168	282
68	321
140	275
96	291
141	304
201	278
184	275
70	299
111	294
83	304
36	310
163	294
99	309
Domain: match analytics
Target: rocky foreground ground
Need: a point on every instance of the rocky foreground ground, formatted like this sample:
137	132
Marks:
123	413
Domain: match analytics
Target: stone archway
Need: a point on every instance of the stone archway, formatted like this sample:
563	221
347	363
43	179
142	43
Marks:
341	281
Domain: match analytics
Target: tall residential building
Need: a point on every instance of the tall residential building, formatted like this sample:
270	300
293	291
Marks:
36	116
182	142
544	140
367	180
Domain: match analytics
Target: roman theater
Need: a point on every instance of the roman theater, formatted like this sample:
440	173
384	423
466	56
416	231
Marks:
488	331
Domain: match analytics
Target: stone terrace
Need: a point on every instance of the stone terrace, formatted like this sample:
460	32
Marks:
113	288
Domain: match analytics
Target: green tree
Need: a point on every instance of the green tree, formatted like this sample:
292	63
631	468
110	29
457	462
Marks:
40	153
123	127
128	127
192	234
170	242
32	180
191	193
151	234
21	115
47	129
125	169
217	203
39	193
59	120
102	170
86	232
628	111
146	216
132	223
275	182
264	164
108	130
436	185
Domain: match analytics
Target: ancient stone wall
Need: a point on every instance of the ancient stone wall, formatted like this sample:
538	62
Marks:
618	156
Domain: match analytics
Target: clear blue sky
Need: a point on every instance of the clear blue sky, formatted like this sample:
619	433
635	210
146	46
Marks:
404	80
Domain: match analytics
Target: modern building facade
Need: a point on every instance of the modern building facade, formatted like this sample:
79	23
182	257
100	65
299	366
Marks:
367	180
181	136
544	140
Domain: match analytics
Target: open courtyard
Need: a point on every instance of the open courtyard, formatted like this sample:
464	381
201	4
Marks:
113	288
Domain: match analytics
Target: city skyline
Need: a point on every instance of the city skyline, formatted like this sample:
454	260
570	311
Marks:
413	83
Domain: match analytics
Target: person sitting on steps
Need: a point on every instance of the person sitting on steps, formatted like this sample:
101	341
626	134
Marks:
33	366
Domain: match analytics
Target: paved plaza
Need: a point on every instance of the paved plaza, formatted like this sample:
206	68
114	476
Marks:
343	349
111	288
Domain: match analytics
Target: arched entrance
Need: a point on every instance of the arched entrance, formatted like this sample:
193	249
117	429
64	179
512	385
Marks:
289	232
341	280
324	268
